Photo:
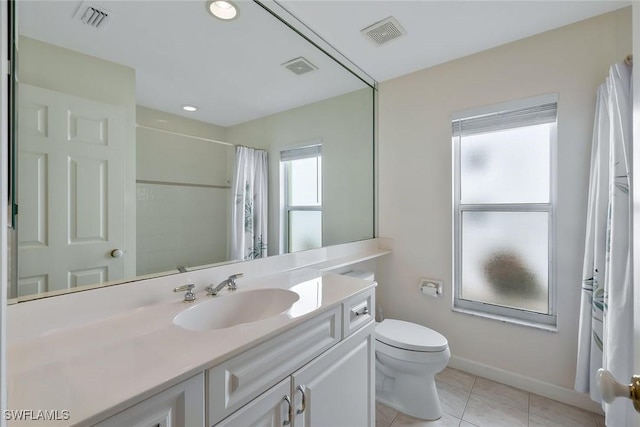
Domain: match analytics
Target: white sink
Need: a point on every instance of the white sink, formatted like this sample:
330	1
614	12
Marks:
229	310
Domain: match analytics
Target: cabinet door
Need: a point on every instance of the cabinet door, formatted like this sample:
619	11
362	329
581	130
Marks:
179	406
270	409
337	389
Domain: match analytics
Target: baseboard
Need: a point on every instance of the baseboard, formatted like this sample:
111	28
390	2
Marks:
551	391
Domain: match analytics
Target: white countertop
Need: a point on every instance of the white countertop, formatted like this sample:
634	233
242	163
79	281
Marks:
98	369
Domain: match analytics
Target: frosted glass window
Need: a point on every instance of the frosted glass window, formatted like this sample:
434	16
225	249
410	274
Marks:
305	230
505	259
305	185
509	166
503	210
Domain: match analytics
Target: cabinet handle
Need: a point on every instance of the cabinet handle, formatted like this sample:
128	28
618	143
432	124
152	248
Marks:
289	411
303	405
360	310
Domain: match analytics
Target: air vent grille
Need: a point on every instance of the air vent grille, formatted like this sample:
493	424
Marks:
384	31
93	15
300	65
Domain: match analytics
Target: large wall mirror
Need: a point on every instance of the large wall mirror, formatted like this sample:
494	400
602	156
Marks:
153	137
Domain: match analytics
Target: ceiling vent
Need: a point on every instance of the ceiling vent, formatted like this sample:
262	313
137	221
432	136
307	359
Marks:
92	15
300	65
384	31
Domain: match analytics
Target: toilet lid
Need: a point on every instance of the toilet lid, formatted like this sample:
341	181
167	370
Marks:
409	336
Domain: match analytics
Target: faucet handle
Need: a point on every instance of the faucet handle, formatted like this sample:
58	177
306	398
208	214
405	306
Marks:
189	296
231	281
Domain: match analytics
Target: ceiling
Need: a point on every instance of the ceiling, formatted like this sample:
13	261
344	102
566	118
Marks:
437	31
232	70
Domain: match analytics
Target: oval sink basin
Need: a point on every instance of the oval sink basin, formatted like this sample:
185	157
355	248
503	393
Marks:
234	309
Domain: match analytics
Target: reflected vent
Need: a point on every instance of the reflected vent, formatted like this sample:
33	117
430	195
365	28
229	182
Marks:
384	31
300	65
93	15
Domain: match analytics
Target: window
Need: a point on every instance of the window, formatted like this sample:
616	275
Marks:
504	189
302	222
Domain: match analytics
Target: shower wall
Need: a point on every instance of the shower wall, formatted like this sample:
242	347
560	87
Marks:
182	192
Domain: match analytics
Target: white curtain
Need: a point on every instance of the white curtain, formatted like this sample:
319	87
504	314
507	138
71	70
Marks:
249	207
606	312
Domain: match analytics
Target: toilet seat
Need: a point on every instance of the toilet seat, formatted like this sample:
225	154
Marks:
409	336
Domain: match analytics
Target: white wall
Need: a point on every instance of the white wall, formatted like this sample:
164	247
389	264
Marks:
415	184
181	224
344	124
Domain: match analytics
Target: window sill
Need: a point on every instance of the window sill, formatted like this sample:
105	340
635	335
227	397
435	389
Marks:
505	319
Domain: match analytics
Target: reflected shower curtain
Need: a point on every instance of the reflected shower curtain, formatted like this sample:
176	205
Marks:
249	207
606	312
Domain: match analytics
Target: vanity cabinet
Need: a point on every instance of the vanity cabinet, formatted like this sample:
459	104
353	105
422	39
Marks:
308	376
180	405
335	389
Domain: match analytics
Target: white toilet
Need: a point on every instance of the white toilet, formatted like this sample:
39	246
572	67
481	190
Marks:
408	356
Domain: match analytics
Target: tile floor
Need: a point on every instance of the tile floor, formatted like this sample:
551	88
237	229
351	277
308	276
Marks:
470	401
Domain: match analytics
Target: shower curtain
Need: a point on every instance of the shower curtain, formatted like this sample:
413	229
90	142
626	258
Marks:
249	207
606	312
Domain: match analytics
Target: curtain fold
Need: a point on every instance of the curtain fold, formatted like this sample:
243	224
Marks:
249	206
606	312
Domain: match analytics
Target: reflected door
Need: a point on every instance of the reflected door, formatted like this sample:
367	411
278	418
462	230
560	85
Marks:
71	194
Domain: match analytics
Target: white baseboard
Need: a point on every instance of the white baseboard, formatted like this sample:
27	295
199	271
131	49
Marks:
551	391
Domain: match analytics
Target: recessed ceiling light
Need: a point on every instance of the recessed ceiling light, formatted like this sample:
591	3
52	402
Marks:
189	108
223	9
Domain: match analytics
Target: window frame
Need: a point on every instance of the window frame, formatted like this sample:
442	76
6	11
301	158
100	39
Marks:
484	309
313	150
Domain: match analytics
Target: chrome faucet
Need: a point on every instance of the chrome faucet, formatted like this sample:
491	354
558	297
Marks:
189	296
229	282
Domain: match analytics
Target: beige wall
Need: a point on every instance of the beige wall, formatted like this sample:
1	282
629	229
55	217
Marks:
415	184
344	124
63	70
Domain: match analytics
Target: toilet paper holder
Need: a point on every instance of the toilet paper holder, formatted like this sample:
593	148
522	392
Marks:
430	287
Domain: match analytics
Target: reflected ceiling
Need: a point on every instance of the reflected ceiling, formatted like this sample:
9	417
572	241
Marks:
179	31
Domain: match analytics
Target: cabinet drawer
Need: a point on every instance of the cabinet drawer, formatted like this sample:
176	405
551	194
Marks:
238	380
357	311
180	405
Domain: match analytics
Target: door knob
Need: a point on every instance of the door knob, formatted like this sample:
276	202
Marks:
117	253
610	388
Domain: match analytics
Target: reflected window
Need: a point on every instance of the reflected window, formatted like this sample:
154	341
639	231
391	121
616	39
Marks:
302	195
503	210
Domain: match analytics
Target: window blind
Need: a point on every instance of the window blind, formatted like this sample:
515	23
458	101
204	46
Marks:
301	153
529	116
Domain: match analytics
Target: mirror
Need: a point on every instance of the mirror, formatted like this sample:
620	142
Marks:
117	181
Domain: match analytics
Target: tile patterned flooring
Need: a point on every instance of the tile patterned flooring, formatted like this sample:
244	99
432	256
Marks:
470	401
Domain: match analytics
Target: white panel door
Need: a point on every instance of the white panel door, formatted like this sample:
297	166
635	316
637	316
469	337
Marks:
337	388
635	418
71	194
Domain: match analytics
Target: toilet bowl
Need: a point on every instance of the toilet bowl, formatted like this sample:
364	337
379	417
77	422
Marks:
408	356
